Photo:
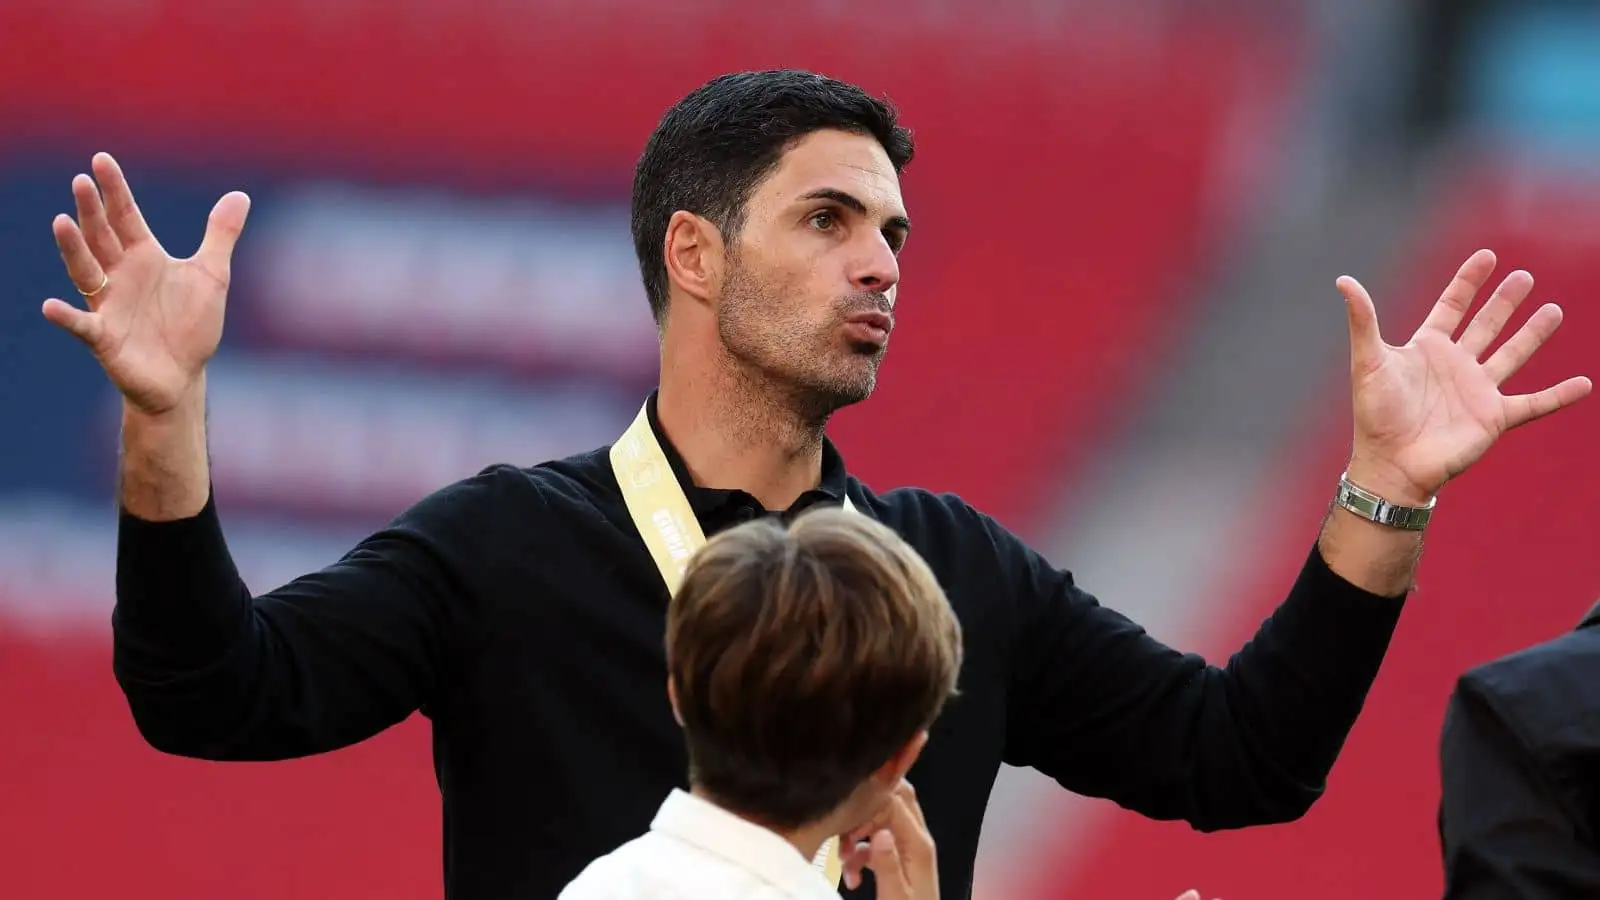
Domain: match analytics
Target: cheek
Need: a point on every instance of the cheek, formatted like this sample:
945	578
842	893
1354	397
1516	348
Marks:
788	299
798	297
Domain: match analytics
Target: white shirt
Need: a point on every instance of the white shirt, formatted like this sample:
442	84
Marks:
696	850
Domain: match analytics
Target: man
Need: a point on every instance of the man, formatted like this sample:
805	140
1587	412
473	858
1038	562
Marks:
1520	766
805	665
522	609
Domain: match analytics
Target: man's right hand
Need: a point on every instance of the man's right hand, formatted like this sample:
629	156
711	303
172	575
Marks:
152	321
901	855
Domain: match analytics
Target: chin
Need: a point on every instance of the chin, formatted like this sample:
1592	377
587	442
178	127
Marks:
819	390
837	393
816	396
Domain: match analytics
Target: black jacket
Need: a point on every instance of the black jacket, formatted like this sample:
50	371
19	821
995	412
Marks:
1520	761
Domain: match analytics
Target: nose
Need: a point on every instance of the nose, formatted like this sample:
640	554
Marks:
874	266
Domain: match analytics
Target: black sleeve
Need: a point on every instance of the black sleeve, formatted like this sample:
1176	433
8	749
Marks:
1109	711
323	662
1502	827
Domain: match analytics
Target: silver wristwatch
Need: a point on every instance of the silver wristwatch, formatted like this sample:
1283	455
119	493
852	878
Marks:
1373	508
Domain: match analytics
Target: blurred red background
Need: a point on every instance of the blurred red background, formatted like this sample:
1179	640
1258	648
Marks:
1074	174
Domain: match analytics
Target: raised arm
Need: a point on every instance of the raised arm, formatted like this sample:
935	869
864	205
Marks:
1427	410
208	670
1111	712
323	662
152	322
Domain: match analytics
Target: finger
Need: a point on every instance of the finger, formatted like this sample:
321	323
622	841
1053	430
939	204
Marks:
222	233
121	211
902	815
1189	895
84	270
866	829
1493	316
908	794
1524	408
884	818
1366	343
1459	293
103	242
879	820
908	828
851	861
1520	347
852	851
81	324
885	861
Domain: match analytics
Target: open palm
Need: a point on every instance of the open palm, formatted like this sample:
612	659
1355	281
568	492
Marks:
1428	409
152	321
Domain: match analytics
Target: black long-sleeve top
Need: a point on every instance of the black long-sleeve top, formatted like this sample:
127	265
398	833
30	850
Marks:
520	611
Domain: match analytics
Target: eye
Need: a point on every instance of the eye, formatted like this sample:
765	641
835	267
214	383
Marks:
823	221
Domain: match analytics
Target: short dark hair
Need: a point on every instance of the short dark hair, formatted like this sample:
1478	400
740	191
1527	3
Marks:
712	148
803	658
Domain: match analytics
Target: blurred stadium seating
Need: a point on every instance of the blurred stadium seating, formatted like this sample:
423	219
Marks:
437	275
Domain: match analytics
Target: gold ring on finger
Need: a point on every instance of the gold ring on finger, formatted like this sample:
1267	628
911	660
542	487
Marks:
104	281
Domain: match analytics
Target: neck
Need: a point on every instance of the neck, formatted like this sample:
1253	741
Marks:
810	838
807	839
735	430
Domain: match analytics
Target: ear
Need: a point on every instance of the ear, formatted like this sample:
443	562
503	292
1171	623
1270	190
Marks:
672	697
694	256
890	773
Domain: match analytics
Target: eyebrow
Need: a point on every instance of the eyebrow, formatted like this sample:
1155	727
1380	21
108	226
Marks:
849	201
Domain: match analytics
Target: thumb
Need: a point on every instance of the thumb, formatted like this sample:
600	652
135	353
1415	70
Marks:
80	323
1189	895
222	231
888	870
1366	342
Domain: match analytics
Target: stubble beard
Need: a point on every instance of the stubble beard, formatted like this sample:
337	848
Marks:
785	361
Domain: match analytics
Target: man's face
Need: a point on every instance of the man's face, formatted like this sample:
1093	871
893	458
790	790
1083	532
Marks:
812	275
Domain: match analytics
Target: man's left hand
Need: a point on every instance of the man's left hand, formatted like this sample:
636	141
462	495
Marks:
1428	409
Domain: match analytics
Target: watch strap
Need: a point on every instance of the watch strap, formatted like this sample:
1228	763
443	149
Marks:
1364	503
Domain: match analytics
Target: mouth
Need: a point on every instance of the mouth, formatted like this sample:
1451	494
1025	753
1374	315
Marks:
870	327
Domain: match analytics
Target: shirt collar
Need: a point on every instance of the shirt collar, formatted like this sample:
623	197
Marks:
1592	618
714	503
757	850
